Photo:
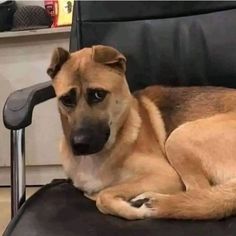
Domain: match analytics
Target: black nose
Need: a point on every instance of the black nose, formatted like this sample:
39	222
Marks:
80	144
90	140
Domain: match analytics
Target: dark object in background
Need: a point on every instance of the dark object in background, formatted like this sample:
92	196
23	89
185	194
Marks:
7	10
31	17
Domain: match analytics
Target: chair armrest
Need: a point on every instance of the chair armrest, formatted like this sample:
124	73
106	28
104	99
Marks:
18	109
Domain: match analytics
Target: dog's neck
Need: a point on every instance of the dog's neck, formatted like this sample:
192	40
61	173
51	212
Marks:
127	134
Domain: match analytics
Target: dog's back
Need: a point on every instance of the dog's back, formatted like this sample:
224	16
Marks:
182	104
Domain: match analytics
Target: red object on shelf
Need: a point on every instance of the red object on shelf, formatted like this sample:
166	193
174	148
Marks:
50	7
60	11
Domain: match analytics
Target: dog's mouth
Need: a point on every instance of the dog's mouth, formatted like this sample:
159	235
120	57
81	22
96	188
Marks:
87	141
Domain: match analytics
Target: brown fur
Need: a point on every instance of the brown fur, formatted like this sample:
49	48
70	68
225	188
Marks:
172	149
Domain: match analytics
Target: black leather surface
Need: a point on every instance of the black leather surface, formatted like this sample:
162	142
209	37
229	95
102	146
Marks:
75	43
177	51
137	10
59	209
18	109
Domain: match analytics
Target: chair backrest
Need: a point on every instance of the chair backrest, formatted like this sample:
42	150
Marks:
170	43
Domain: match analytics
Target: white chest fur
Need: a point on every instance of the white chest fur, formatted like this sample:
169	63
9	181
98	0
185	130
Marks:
87	176
85	172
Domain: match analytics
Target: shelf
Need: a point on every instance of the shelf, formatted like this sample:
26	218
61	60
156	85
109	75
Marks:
13	34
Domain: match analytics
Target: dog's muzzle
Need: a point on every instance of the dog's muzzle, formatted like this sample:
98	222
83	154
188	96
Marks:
89	140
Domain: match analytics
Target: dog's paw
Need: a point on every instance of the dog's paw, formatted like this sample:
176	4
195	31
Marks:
149	200
138	202
145	206
120	207
145	199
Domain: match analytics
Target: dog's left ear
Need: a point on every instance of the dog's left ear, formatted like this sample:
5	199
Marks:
109	56
59	57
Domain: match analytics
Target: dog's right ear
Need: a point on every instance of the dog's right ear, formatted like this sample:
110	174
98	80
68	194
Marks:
59	57
109	56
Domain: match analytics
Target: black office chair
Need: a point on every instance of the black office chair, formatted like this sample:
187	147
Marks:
170	43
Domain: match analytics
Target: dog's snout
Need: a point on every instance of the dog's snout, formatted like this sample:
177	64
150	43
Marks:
90	140
80	142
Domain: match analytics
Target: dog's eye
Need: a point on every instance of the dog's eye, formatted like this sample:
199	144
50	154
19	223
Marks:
69	100
96	95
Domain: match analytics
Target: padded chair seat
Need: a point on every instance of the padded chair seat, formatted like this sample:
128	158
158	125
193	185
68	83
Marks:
60	209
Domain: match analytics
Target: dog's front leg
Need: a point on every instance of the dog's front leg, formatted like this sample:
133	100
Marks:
115	201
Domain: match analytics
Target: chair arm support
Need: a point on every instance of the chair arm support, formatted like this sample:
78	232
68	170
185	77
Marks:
18	109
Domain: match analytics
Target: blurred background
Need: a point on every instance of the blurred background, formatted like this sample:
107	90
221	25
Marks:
30	30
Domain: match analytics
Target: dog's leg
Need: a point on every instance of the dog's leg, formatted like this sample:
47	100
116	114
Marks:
184	159
199	204
115	200
200	151
197	147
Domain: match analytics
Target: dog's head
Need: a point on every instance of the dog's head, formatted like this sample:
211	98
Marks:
93	96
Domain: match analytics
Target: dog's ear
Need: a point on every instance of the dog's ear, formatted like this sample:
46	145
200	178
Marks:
59	57
109	56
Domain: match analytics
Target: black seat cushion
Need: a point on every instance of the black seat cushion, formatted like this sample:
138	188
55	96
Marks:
60	209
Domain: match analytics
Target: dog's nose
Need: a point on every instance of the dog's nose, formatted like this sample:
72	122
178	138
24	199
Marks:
85	141
80	144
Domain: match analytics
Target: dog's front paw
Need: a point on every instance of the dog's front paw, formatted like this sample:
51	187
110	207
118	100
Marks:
119	207
138	202
150	202
146	199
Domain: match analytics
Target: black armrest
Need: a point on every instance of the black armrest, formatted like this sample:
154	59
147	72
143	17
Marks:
17	112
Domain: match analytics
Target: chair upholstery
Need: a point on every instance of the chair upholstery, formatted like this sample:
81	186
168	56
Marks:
60	209
170	43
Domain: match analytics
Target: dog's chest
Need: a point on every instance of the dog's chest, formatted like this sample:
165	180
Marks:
87	175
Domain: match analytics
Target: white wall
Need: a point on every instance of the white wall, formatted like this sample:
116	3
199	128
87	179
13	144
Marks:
23	62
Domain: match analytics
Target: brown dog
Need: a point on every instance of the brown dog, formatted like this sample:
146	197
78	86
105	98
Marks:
160	153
